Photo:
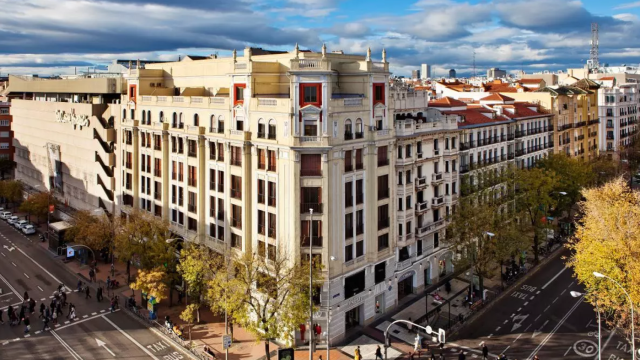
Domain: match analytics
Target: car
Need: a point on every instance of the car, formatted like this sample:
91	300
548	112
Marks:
28	229
5	214
12	219
1	209
20	223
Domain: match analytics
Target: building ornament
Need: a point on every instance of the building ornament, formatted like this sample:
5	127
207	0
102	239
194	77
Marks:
73	118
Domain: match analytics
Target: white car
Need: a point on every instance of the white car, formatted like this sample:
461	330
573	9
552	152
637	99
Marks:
12	219
28	229
20	223
5	214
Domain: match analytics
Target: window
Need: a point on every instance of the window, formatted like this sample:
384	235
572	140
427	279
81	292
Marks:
272	226
408	153
236	216
400	204
212	208
261	191
193	148
272	130
272	160
212	151
193	176
378	93
220	210
196	120
261	222
316	233
348	226
157	190
348	165
383	216
239	93
236	155
261	159
383	187
261	129
4	134
310	165
236	241
192	202
348	253
359	163
383	160
157	167
310	93
310	127
180	172
220	124
380	272
359	191
348	131
359	248
236	187
272	194
311	198
359	222
192	224
220	152
348	194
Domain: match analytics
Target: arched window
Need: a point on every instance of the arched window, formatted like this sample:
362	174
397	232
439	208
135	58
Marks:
174	122
348	130
272	129
220	124
212	123
196	120
359	129
149	117
262	131
144	117
124	114
161	116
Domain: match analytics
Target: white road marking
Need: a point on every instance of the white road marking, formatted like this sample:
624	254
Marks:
40	266
546	339
40	288
571	284
467	349
512	315
498	328
85	316
27	335
527	328
3	254
563	291
566	352
130	338
517	338
101	311
14	264
554	300
506	321
531	298
66	346
93	313
519	309
14	305
545	309
5	343
56	325
66	322
104	345
77	321
505	350
43	299
10	293
555	277
537	292
38	332
11	288
489	337
525	304
537	318
25	274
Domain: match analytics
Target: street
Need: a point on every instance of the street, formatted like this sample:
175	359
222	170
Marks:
95	334
541	318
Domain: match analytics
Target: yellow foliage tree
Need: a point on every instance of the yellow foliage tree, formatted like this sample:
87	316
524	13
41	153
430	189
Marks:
608	241
151	282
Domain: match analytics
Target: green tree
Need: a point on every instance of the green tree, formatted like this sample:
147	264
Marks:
607	241
95	231
188	315
272	295
603	169
534	197
12	191
198	265
573	175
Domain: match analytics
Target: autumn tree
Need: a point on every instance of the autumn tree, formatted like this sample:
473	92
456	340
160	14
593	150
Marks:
573	175
607	240
11	191
188	315
151	282
534	197
603	169
36	204
198	266
94	231
272	295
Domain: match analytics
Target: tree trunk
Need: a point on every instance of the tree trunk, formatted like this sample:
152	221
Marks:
266	349
536	242
231	328
129	272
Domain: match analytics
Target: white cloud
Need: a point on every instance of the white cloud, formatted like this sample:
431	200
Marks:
628	5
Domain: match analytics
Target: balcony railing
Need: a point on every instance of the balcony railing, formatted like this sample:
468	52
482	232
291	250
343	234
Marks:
594	121
436	177
464	168
305	207
437	200
348	136
510	137
359	135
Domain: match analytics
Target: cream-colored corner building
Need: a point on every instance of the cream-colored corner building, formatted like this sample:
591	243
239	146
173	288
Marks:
64	137
237	152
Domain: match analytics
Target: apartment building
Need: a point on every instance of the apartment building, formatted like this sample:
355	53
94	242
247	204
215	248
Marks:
6	134
292	152
64	137
618	109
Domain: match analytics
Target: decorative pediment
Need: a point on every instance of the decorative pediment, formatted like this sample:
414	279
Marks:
310	110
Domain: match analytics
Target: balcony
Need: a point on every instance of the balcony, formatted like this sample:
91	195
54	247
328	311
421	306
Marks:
436	178
594	121
421	231
510	137
520	152
464	168
315	242
467	145
511	156
579	137
316	207
520	133
581	124
421	207
359	135
437	201
348	136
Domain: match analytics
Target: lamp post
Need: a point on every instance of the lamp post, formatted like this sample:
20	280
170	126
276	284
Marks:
633	340
331	258
576	294
311	286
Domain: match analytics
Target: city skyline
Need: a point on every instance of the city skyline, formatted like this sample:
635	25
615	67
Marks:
46	37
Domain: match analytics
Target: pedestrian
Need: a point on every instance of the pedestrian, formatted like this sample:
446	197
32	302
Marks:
88	293
485	351
1	322
47	314
461	355
108	282
32	306
79	286
42	307
59	309
356	354
378	353
113	270
72	313
442	355
433	356
54	317
27	325
113	304
21	316
63	299
99	294
92	274
26	296
409	326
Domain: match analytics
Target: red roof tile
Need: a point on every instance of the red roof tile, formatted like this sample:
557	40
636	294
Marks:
446	102
530	81
497	97
608	78
475	116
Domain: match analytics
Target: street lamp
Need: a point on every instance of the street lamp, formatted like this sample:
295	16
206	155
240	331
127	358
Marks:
331	258
633	340
576	294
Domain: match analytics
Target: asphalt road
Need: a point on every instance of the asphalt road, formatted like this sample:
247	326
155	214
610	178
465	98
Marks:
542	318
96	334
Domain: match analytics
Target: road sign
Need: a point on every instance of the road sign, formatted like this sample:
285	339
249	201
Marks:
226	342
285	354
70	252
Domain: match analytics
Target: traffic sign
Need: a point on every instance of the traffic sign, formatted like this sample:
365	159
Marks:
70	252
285	354
226	342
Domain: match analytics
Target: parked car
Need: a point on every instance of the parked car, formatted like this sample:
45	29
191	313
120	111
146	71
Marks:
28	229
20	223
12	219
1	209
5	214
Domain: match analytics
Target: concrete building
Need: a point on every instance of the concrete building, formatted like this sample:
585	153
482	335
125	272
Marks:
452	74
495	73
6	134
425	71
64	137
415	75
618	111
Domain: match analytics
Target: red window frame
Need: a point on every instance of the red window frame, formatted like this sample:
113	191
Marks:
235	91
133	92
318	87
376	86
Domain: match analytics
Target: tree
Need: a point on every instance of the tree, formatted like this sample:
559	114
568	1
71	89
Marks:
95	231
272	295
603	169
188	316
572	174
534	188
607	241
12	191
151	282
198	264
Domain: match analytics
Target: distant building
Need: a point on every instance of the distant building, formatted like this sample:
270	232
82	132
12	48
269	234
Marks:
425	71
415	74
617	111
495	73
452	74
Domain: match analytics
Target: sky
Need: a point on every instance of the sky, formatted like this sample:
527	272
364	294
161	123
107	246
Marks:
49	37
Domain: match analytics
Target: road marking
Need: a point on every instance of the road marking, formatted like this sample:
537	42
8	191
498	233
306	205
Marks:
571	284
531	298
93	313
498	328
563	291
519	309
554	300
129	337
85	316
545	309
512	315
104	345
38	332
101	311
66	346
555	277
546	339
527	328
536	319
537	292
40	266
609	339
56	325
11	288
66	322
14	264
506	321
566	352
489	337
5	343
517	338
40	288
3	254
25	274
505	350
9	293
43	299
539	331
467	349
27	335
525	304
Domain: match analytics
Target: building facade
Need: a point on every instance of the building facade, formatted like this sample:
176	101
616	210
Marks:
425	71
6	134
618	110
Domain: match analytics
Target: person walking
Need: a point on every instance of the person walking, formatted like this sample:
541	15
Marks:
26	296
92	274
21	316
1	322
54	317
79	286
461	355
356	354
485	351
113	304
378	353
99	294
42	307
46	322
27	325
72	313
88	293
59	309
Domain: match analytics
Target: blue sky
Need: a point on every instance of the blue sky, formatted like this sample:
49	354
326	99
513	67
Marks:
54	36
